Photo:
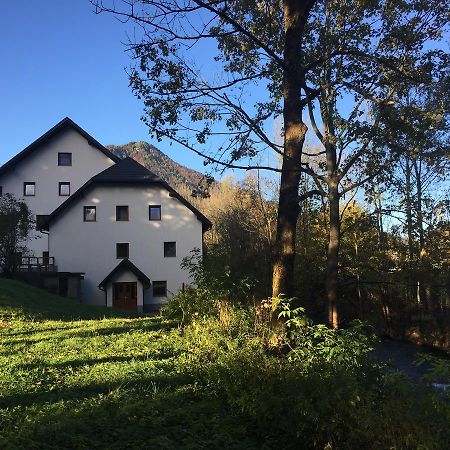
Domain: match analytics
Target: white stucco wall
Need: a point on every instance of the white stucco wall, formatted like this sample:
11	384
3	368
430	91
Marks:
125	277
90	247
41	167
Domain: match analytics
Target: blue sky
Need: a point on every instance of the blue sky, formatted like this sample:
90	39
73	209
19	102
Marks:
60	59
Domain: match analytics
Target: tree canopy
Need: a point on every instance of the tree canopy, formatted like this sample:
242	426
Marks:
215	75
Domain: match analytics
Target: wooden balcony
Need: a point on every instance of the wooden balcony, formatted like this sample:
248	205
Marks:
37	264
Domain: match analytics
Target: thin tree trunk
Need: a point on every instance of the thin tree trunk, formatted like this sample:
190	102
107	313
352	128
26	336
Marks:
333	257
424	287
295	15
412	282
409	220
379	213
358	284
419	209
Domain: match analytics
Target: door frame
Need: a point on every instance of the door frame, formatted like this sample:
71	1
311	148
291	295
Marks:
134	288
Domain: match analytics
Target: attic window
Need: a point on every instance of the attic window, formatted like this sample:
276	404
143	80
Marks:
29	189
64	189
154	212
64	159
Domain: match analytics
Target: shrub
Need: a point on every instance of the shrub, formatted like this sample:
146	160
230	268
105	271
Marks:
320	390
211	285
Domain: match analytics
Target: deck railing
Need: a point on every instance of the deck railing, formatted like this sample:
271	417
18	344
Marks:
37	264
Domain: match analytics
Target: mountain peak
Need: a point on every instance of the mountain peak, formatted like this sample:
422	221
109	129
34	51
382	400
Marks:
156	161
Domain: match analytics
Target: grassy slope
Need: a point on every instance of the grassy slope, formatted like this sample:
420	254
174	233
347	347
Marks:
74	376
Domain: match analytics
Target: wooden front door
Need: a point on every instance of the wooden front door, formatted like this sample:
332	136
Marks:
125	296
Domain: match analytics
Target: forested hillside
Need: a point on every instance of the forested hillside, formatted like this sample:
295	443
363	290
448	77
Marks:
155	160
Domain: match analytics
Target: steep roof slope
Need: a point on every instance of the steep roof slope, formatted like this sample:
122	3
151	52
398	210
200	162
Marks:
64	124
126	264
126	171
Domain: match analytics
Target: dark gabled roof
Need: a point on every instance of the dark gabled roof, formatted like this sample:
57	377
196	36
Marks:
126	264
65	123
127	171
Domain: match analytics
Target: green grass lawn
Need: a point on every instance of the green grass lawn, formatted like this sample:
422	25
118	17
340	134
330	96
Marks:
74	376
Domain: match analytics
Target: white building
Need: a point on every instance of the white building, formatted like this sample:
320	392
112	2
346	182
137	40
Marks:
122	227
50	169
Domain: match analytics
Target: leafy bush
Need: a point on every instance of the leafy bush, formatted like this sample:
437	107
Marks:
300	384
439	369
318	389
211	284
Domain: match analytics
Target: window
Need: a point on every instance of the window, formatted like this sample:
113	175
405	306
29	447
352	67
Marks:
122	250
170	249
40	220
160	289
122	214
29	189
1	191
64	189
64	159
89	213
154	212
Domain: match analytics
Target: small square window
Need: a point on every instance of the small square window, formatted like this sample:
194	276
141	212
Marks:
64	159
154	212
170	249
122	214
122	250
29	189
40	220
160	289
89	213
64	189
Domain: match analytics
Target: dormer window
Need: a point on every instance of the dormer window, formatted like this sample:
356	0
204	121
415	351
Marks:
64	159
29	189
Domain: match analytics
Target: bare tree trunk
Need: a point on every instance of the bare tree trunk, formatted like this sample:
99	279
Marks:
295	16
333	256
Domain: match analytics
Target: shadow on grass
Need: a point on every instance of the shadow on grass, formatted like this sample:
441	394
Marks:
78	393
156	419
74	333
77	363
18	299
